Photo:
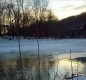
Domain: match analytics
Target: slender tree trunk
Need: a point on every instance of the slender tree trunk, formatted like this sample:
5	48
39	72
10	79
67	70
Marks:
18	35
71	66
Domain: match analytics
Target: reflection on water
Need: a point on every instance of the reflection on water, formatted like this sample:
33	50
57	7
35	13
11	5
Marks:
51	68
65	69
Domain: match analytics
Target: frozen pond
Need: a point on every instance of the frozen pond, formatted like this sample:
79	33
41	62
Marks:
50	68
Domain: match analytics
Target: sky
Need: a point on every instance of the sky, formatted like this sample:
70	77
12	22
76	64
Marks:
66	8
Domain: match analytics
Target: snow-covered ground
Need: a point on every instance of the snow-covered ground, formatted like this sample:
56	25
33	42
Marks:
45	45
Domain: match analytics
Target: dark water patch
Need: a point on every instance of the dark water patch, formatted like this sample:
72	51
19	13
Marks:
82	59
51	67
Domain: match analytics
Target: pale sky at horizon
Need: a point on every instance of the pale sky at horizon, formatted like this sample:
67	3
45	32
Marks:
66	8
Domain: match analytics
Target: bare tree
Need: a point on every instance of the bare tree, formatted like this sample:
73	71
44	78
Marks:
38	6
20	56
0	16
10	7
3	16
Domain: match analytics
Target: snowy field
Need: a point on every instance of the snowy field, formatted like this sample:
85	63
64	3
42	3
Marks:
46	46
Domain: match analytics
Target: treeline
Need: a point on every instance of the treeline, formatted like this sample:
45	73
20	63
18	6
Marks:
71	27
